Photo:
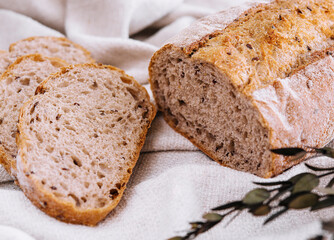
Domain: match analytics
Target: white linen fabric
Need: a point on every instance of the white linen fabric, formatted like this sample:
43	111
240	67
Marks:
173	183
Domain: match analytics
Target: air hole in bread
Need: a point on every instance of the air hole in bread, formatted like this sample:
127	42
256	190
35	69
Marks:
118	185
101	202
93	86
65	109
69	127
231	147
84	150
182	103
75	198
99	184
83	199
32	110
9	80
126	80
49	149
39	137
76	161
129	170
74	175
86	184
43	182
63	84
211	137
63	185
100	175
133	93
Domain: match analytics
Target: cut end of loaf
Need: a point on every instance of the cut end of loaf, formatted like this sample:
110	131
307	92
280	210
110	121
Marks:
199	102
79	140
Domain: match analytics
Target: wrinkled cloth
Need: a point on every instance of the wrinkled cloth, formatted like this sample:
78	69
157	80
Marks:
173	182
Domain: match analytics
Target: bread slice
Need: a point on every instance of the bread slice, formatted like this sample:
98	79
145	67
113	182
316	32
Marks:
239	83
17	85
52	47
79	139
6	59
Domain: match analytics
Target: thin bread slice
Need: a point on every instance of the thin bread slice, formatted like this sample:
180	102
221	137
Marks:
79	139
52	47
6	58
17	85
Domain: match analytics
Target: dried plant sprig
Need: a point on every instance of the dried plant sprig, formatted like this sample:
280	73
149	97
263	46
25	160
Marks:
294	193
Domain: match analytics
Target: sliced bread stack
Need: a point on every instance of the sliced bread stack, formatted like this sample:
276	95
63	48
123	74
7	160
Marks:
58	47
24	74
79	139
17	85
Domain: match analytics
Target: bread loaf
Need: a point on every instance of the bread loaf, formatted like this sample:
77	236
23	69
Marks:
79	139
242	82
52	47
17	85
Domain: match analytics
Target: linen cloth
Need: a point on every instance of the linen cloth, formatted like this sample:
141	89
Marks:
173	182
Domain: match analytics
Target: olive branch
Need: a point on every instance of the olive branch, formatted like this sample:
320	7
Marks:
298	192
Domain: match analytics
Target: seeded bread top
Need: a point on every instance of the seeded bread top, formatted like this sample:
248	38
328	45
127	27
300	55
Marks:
52	47
256	56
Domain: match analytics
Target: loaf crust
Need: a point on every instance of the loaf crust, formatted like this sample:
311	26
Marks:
44	200
264	65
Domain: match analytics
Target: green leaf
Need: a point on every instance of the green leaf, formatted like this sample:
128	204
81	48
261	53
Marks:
272	183
326	151
260	210
318	168
305	183
213	217
288	151
331	183
328	191
256	196
295	179
235	204
328	202
195	225
176	238
303	200
275	215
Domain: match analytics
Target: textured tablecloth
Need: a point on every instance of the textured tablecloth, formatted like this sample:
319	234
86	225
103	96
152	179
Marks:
173	182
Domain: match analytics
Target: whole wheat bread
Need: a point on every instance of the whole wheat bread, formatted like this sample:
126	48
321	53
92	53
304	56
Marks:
79	139
241	82
17	85
52	47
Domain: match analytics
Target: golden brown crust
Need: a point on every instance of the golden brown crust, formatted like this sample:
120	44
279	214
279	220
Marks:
237	53
62	210
281	26
62	39
6	159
